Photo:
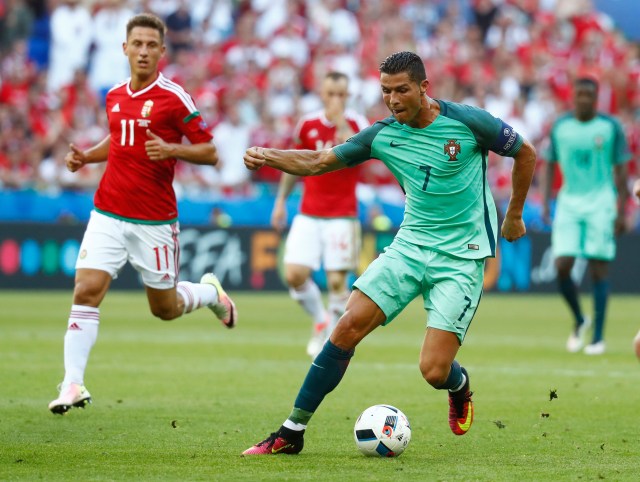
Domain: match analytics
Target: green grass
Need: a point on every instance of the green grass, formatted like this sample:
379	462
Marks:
226	389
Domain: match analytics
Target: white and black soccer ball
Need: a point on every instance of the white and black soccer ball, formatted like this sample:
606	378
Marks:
383	431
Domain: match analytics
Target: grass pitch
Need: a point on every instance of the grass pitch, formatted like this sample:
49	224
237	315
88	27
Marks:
182	400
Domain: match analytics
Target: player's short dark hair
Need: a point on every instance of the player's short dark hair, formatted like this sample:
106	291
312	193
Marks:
587	82
336	76
148	20
408	62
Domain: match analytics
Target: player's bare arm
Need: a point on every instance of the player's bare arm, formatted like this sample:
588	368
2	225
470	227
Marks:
279	214
204	153
77	158
299	162
620	177
521	176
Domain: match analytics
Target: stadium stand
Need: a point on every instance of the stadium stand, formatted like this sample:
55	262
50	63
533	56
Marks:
253	66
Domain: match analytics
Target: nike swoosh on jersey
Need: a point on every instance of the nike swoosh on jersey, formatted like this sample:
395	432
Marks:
317	366
395	144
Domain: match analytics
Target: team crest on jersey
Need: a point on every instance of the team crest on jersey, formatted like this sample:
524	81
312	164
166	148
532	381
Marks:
452	149
146	108
599	142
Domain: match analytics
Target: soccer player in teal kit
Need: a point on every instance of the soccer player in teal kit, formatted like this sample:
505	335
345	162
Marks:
591	150
438	152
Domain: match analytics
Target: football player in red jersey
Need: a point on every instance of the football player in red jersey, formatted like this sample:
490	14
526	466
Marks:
326	231
135	217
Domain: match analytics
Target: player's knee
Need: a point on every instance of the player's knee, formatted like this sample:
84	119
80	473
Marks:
563	267
164	313
336	285
294	279
85	293
434	376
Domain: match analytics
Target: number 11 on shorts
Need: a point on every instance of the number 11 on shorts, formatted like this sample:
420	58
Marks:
159	252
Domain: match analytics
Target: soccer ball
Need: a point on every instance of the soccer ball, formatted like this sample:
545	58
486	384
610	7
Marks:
382	430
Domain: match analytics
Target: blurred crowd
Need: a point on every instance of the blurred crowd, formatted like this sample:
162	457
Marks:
253	68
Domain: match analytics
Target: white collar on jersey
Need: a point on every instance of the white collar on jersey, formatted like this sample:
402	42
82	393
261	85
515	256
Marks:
326	122
146	89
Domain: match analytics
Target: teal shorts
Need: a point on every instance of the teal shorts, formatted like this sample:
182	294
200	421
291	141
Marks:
450	287
589	236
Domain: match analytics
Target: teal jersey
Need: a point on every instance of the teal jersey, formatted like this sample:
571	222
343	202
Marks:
443	172
587	153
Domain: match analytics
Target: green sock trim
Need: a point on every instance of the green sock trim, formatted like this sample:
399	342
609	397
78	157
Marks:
300	416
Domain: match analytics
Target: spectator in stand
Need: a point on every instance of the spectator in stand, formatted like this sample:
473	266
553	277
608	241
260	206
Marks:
162	8
179	29
15	25
78	100
17	73
245	47
212	20
484	13
54	175
283	88
290	43
340	24
233	178
271	16
108	64
70	41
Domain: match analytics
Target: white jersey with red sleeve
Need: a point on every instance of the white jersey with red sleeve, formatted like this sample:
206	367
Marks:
332	194
133	187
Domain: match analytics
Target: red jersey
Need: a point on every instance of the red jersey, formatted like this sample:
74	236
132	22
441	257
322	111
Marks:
133	186
332	194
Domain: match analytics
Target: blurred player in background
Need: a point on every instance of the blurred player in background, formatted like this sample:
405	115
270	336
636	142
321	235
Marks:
591	151
135	217
438	152
326	231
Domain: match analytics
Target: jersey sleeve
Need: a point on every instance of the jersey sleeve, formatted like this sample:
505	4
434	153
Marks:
186	117
357	148
194	128
621	152
491	133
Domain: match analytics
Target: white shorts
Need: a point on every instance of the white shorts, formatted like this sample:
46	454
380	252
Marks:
152	249
334	242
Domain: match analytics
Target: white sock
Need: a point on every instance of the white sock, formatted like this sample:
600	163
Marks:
81	335
298	427
337	305
196	295
310	298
